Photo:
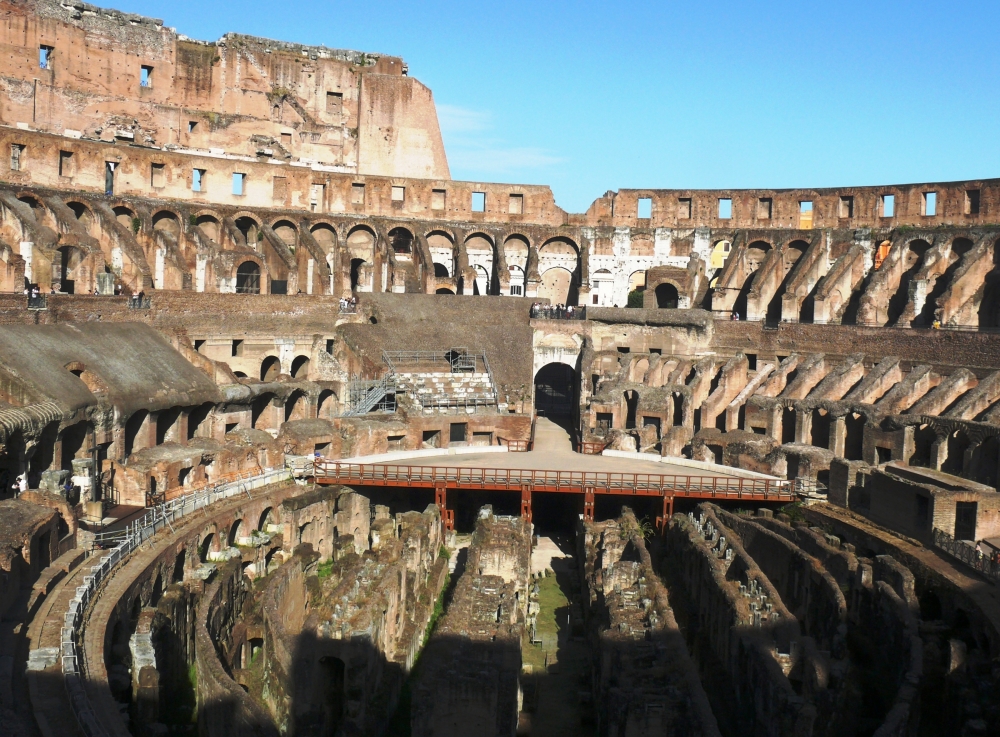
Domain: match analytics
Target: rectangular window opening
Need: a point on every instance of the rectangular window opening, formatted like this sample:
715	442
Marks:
357	194
239	183
516	290
329	346
479	202
197	345
146	76
197	180
437	199
764	208
972	202
725	208
16	156
888	205
237	348
65	163
45	57
684	208
516	205
457	432
334	103
930	204
644	210
398	194
805	213
286	140
157	177
846	207
192	124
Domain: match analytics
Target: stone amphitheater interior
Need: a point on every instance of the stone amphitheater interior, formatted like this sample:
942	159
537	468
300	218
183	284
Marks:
299	436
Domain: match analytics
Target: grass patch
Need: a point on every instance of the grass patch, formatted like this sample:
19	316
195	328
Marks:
324	570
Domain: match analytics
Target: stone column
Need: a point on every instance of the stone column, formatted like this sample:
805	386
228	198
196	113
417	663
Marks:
838	436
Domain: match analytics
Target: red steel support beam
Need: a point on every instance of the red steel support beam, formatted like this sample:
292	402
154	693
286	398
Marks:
526	502
447	515
588	504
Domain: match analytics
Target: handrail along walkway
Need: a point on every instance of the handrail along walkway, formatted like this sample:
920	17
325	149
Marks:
125	542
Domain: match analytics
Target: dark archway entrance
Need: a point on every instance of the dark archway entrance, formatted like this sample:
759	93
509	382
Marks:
555	391
667	297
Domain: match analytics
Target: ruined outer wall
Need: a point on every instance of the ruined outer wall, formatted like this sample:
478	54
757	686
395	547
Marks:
243	93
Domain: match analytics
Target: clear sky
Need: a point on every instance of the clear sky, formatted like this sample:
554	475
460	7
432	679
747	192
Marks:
590	96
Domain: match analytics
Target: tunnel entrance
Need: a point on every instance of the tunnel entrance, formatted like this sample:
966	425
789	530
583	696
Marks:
555	389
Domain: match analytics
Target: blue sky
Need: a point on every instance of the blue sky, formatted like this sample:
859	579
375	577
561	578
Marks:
589	96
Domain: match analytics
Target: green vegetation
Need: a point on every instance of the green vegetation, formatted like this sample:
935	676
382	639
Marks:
136	224
323	570
444	553
635	298
642	527
794	510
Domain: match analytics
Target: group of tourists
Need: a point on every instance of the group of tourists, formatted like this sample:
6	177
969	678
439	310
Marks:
348	304
555	312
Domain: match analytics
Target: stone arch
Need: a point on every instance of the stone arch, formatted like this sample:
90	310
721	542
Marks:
401	241
555	390
300	367
134	426
270	368
327	404
167	220
258	408
210	226
558	285
207	546
636	285
285	230
667	295
249	225
68	268
442	247
989	307
38	209
480	248
266	518
83	214
441	271
126	216
296	406
443	290
234	532
910	261
325	235
248	278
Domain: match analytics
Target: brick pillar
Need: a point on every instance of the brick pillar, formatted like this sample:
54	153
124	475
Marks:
803	426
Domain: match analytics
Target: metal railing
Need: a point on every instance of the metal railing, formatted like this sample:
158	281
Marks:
515	446
967	554
600	482
459	360
365	395
459	404
137	303
122	543
37	303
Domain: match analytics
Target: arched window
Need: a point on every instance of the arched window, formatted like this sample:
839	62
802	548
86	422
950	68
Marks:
248	278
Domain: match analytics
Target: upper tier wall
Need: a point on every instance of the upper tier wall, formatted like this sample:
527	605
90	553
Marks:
75	69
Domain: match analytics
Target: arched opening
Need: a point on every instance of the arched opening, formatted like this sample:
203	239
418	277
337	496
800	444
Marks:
482	283
356	273
178	573
441	271
559	256
209	226
250	229
989	308
666	296
401	241
479	248
127	218
555	390
166	423
300	367
295	406
636	288
443	290
287	232
197	425
788	425
168	222
820	431
789	257
66	271
720	252
134	426
270	368
958	443
630	401
325	236
266	518
326	405
913	257
83	215
854	436
959	247
248	278
234	533
558	286
206	547
73	438
257	411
